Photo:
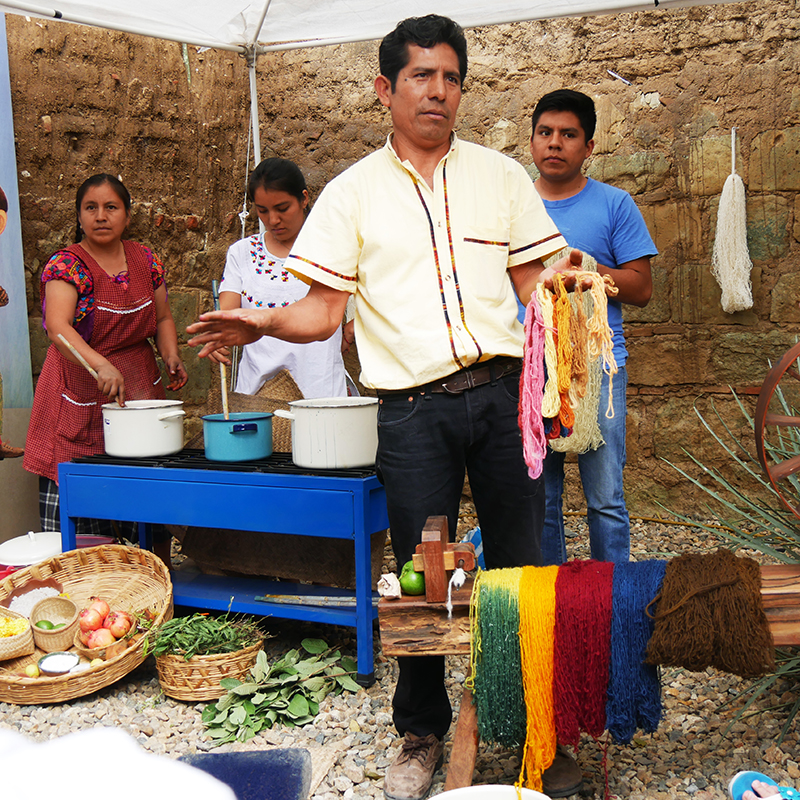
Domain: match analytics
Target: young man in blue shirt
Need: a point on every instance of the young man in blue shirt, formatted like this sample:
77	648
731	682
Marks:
604	222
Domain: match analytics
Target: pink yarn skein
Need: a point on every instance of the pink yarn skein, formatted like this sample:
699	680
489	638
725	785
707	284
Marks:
531	424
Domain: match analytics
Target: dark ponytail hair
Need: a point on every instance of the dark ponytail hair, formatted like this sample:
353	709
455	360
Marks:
279	174
98	180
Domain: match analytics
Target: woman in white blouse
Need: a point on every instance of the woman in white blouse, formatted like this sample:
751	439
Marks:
255	276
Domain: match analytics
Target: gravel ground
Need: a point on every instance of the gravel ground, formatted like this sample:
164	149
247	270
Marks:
696	750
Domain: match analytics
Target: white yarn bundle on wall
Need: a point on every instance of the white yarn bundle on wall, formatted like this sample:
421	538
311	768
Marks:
730	262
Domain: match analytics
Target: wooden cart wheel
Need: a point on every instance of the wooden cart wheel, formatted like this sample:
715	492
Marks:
777	428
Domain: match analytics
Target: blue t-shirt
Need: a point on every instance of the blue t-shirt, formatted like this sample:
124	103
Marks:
604	222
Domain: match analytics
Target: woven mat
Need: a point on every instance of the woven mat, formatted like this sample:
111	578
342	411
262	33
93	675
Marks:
277	393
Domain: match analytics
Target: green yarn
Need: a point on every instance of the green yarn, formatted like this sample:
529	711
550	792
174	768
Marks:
496	663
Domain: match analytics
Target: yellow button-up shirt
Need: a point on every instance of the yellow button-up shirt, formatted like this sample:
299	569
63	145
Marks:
429	268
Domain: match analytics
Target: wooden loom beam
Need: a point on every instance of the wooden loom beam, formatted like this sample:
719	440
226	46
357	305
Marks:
411	626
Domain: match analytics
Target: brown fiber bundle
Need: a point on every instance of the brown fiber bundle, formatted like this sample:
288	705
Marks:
709	613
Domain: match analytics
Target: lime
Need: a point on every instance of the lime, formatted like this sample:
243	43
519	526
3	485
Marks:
45	625
411	582
58	625
32	671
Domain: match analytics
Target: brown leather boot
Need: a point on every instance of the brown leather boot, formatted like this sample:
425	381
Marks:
563	777
7	451
410	775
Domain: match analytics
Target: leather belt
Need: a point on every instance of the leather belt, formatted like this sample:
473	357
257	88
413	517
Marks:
459	382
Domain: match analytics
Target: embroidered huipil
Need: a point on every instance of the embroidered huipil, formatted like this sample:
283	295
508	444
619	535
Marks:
66	420
262	281
429	268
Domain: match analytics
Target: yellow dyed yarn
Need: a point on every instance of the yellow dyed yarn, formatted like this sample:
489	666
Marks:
551	402
562	312
537	609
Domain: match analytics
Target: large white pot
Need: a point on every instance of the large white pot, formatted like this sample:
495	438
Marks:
143	428
333	432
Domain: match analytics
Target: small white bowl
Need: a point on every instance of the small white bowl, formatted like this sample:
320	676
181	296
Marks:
61	663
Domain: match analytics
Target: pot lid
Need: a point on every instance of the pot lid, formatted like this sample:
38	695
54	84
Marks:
31	549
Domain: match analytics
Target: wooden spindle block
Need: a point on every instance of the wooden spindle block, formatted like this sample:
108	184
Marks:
434	542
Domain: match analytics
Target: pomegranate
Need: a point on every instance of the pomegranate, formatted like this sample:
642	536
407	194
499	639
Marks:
90	619
84	637
101	638
118	622
100	605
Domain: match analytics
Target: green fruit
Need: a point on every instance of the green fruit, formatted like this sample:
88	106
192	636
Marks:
45	625
411	582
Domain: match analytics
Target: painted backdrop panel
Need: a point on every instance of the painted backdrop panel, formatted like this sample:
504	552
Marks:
15	356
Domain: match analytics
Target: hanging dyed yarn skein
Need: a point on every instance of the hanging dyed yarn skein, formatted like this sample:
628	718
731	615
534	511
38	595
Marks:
730	261
586	373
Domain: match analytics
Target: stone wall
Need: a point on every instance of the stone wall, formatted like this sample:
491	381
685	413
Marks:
173	122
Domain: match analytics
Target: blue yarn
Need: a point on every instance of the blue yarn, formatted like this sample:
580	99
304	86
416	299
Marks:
634	688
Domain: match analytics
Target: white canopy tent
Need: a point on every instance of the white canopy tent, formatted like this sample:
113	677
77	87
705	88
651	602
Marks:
261	26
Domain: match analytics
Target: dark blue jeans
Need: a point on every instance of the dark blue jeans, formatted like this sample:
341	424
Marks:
426	444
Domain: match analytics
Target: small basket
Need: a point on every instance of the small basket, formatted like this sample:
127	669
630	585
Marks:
109	651
199	677
56	610
19	645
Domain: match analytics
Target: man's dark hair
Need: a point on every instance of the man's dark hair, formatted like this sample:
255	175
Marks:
580	104
424	32
279	174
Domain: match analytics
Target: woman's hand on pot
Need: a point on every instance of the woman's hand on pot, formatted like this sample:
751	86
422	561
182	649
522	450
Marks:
177	373
111	383
218	329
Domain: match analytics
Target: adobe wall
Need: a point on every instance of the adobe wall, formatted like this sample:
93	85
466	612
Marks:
174	125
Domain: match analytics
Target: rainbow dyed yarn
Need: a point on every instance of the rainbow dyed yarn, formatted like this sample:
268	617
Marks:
558	651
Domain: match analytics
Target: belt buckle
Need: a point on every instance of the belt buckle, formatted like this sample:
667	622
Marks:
459	384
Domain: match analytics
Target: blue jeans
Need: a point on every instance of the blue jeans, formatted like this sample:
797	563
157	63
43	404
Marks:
601	476
426	443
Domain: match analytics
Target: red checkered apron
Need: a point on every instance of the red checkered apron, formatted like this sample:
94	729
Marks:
66	420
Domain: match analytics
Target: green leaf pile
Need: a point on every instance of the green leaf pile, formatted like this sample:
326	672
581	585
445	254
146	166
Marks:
286	693
201	634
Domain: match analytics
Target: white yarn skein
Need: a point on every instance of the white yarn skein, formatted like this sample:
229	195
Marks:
456	582
730	261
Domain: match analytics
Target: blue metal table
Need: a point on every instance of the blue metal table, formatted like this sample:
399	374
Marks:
349	504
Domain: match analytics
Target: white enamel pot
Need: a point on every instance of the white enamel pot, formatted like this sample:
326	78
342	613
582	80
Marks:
143	428
333	432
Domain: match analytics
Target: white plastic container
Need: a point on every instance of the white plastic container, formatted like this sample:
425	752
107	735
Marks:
333	432
143	428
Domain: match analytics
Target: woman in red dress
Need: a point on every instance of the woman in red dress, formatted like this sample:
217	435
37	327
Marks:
107	297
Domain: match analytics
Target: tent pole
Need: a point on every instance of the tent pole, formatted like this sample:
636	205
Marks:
252	57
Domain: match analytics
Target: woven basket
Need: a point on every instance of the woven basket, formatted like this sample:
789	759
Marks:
12	647
56	610
199	677
125	577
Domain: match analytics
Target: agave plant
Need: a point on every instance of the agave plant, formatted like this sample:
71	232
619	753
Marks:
756	517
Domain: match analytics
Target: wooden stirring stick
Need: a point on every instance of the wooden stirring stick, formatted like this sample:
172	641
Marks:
78	356
223	372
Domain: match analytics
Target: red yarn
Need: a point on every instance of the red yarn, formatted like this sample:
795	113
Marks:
582	648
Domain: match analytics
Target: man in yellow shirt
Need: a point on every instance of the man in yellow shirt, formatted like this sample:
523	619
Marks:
432	235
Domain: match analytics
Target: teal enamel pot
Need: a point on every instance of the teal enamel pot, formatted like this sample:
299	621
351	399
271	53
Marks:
244	436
